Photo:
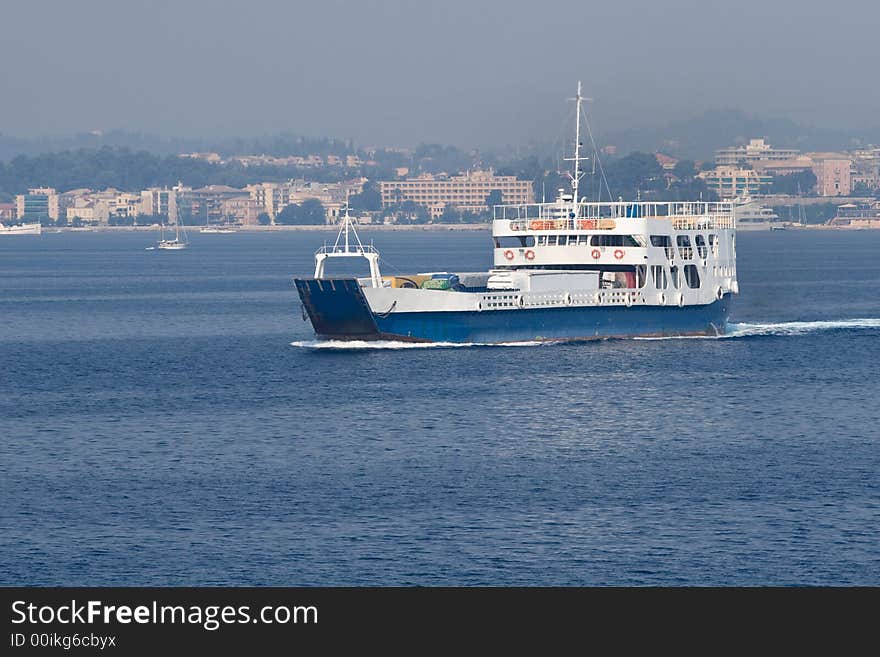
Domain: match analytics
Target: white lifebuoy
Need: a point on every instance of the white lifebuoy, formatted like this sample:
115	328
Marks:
566	299
628	300
662	299
680	300
719	293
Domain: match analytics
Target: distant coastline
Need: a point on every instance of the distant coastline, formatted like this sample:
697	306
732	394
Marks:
273	229
386	228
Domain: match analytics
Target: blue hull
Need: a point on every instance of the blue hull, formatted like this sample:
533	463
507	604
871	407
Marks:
339	311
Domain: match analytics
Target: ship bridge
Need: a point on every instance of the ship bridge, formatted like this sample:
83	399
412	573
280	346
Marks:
612	235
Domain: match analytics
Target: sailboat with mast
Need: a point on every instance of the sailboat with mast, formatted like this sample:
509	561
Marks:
177	243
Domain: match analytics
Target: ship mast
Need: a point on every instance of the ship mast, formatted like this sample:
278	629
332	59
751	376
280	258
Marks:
345	248
577	174
577	146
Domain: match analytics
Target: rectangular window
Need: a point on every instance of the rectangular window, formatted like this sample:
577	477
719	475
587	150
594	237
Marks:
658	276
692	276
661	240
614	240
514	241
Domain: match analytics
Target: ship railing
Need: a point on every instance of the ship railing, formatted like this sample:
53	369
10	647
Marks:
352	249
609	297
562	215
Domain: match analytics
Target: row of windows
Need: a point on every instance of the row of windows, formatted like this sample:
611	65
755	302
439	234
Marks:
588	240
686	251
663	278
567	240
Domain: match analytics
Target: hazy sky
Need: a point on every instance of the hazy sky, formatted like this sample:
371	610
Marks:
469	72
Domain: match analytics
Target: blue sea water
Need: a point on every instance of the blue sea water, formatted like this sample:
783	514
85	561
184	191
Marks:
168	419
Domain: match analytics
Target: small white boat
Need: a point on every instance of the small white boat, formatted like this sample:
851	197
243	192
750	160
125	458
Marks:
218	229
22	229
176	244
171	245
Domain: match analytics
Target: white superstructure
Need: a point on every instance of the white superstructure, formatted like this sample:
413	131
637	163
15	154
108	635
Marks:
21	229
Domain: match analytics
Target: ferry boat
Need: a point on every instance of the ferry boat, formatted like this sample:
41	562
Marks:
21	229
566	270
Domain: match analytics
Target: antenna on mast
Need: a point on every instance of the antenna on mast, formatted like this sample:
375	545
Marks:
345	248
578	174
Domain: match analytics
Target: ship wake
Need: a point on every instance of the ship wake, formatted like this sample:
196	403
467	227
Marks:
746	329
780	329
380	345
735	330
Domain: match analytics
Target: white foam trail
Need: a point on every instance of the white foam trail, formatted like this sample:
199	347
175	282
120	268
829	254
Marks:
735	330
748	329
350	345
742	329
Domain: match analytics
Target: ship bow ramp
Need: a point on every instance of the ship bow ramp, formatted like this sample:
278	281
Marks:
337	308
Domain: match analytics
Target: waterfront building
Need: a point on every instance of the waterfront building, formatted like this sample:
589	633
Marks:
866	167
7	212
205	204
857	215
88	210
39	204
271	198
467	192
666	161
757	150
241	210
160	201
120	205
213	158
784	167
733	182
833	174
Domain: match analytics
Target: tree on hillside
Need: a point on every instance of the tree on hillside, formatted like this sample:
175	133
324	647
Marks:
369	199
684	170
494	198
309	212
801	183
633	174
408	212
451	215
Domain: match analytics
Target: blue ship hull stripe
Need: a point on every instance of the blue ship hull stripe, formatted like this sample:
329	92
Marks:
339	310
